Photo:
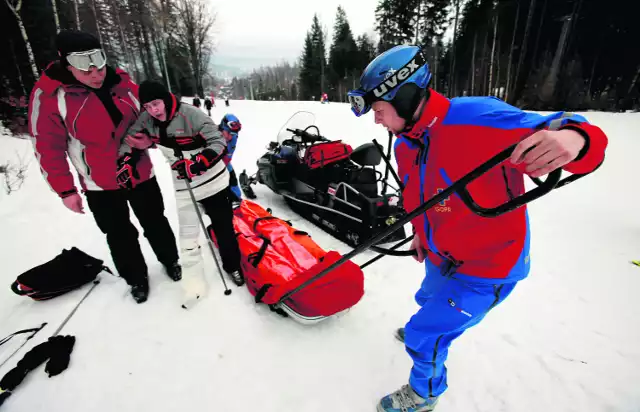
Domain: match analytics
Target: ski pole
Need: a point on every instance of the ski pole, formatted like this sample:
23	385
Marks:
459	188
73	311
389	168
387	161
178	153
33	331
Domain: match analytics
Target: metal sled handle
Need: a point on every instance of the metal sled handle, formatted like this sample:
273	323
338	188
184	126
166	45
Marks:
459	187
566	180
393	250
545	187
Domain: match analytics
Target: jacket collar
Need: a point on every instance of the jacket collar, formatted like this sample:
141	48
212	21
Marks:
432	115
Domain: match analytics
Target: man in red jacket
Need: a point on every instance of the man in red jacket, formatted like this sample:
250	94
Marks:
472	263
81	108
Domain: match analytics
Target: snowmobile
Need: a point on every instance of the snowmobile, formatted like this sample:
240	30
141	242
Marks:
330	184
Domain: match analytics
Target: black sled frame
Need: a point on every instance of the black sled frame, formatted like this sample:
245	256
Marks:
553	181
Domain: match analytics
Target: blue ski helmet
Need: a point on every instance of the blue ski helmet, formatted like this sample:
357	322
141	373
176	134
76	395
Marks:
399	76
230	123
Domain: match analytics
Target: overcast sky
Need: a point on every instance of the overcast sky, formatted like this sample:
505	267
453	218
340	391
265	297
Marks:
250	33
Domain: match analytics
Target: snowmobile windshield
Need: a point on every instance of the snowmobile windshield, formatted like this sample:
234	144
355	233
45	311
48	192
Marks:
300	121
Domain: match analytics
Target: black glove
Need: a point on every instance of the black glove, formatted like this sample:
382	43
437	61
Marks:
127	169
61	347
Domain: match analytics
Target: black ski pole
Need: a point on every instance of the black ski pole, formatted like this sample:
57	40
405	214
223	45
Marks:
387	161
178	153
389	168
33	331
458	187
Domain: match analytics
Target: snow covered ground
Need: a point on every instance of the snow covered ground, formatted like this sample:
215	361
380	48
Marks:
568	339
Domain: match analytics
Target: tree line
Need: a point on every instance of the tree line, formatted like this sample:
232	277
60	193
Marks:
169	40
536	54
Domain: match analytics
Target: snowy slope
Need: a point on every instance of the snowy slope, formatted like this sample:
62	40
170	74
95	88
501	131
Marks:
568	339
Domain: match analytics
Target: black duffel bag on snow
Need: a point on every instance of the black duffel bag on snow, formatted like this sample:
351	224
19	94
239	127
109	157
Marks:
68	271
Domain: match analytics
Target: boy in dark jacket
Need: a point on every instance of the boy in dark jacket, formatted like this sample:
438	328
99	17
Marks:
181	128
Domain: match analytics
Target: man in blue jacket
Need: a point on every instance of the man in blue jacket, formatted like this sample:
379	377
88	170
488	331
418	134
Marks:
472	263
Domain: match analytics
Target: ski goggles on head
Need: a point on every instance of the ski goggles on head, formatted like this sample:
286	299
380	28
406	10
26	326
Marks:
231	126
360	101
85	59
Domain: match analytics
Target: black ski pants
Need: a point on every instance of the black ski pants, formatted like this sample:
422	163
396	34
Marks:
110	209
218	208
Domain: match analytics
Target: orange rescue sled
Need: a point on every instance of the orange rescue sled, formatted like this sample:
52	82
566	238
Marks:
277	258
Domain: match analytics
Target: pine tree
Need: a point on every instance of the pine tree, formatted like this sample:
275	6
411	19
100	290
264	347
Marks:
366	51
396	22
343	56
313	64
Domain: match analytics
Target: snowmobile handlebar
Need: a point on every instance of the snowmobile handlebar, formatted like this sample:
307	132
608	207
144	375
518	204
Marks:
308	137
458	188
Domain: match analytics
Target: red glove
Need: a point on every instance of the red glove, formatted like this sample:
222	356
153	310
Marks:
188	169
127	170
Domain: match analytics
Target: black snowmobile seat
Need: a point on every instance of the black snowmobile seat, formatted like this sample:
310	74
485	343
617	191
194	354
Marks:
365	181
366	155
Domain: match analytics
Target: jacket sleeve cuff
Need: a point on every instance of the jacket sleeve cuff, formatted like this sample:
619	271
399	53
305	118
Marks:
68	193
592	154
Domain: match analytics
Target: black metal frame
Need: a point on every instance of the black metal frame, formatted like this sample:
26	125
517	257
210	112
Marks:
459	187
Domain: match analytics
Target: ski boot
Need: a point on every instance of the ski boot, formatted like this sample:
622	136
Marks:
237	277
174	271
406	399
140	291
400	334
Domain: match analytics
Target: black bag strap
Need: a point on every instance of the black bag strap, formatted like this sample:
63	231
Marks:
260	219
256	257
263	291
33	331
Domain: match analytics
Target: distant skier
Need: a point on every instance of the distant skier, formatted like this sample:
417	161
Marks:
213	98
324	98
226	101
230	127
207	105
472	263
196	101
174	126
78	107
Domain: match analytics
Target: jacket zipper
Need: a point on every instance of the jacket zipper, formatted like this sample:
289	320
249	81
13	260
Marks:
454	264
422	162
506	183
84	160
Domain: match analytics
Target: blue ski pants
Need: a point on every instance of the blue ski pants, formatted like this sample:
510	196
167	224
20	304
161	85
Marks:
233	183
449	306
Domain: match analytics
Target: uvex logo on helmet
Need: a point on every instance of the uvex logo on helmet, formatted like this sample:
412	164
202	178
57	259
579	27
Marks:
398	76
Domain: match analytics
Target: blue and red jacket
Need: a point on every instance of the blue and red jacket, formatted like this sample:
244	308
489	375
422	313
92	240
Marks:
231	147
451	138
